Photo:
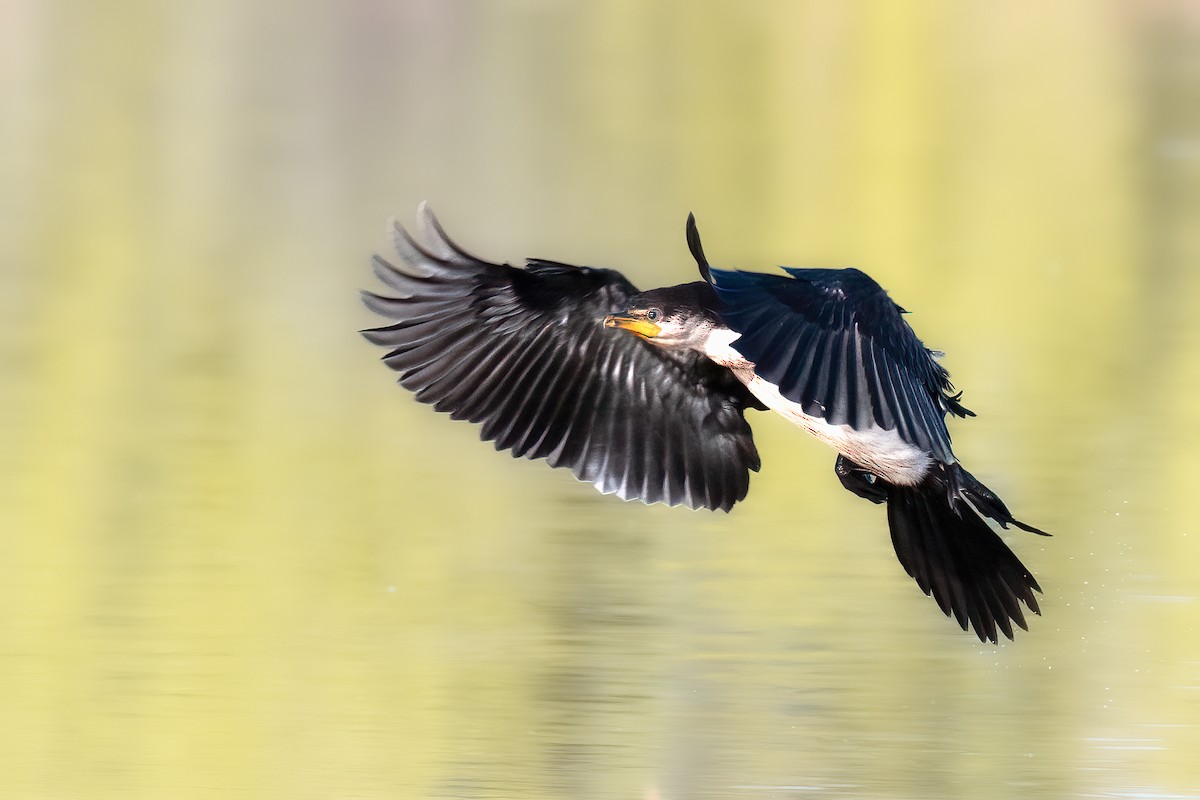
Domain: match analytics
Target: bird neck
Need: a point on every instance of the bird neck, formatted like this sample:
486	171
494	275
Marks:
718	346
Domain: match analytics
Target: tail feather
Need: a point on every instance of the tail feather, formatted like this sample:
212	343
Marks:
944	543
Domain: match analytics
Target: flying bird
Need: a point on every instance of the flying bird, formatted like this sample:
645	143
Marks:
644	394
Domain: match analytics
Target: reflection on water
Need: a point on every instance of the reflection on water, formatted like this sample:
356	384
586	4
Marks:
236	562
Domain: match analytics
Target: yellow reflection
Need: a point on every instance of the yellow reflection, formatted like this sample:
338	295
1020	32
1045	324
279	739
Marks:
236	562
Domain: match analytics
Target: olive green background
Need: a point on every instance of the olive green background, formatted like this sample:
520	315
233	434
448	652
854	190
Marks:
237	562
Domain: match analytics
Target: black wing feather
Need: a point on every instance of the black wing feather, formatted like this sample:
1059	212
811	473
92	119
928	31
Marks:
523	353
854	361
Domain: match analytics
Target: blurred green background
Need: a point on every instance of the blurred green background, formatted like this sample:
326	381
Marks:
237	562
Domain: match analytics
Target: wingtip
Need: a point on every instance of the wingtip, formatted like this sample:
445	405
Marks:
696	248
432	234
1030	529
377	303
437	242
426	219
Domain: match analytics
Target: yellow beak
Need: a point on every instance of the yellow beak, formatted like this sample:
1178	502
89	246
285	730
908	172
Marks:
643	328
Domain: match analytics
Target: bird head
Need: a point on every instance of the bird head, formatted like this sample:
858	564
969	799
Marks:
677	317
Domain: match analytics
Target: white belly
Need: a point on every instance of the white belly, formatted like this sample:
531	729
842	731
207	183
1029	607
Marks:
881	451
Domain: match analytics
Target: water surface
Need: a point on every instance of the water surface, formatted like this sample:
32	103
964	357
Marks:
237	562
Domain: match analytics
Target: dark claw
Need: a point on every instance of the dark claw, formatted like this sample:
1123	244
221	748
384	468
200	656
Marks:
858	480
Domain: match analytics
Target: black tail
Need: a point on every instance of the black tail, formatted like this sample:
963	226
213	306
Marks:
944	543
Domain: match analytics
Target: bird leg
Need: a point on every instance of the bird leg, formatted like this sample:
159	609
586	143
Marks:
862	482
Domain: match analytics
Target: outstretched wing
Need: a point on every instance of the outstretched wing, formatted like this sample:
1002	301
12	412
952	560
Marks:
523	352
834	342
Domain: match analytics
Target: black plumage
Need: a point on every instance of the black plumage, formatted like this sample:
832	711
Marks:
523	352
530	354
835	343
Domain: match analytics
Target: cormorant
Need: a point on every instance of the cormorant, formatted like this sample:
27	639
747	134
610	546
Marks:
644	393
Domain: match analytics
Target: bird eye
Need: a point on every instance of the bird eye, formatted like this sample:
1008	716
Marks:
652	314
